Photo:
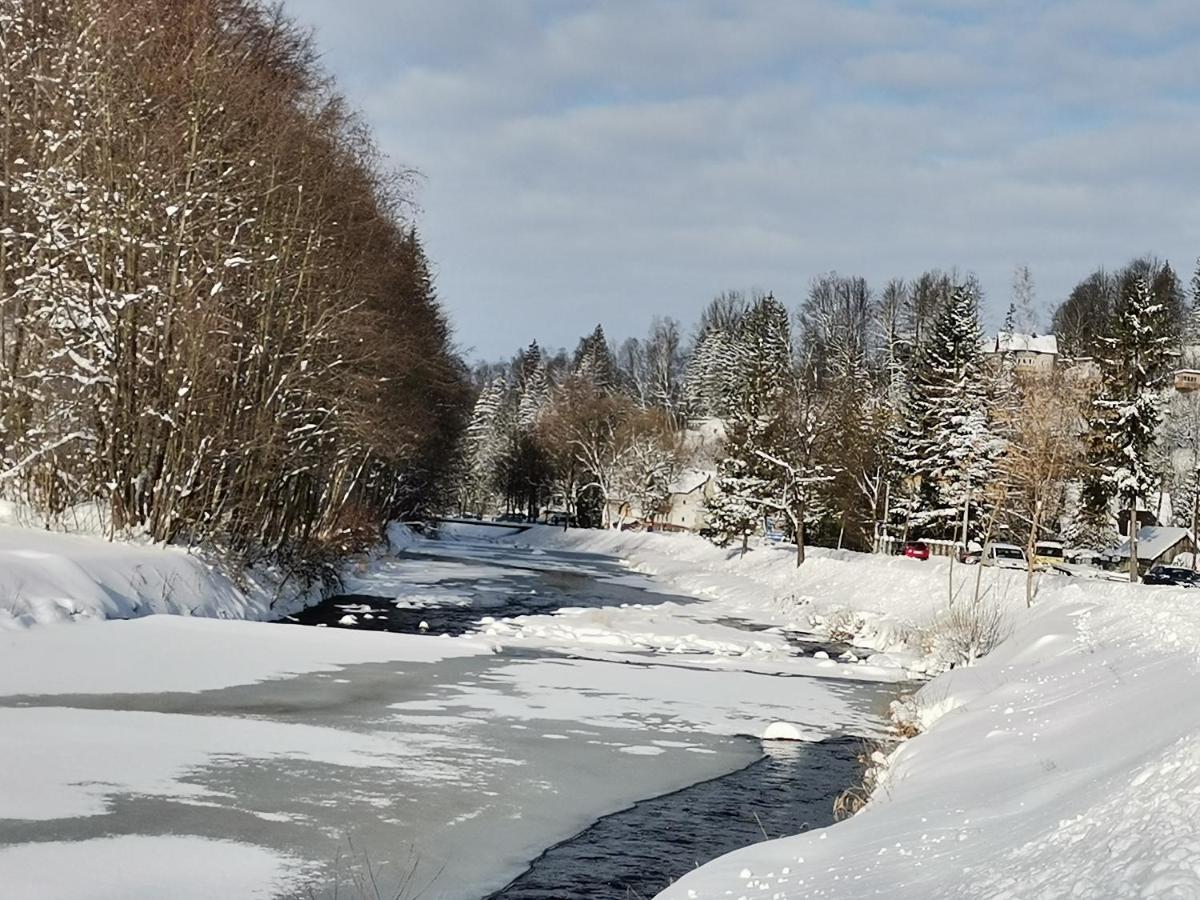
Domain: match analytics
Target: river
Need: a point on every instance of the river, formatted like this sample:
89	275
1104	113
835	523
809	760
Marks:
520	773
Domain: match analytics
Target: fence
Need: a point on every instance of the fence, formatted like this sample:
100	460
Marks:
893	545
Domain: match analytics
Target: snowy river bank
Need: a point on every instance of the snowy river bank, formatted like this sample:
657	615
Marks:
243	757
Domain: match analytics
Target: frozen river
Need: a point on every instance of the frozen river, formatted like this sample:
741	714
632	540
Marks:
449	774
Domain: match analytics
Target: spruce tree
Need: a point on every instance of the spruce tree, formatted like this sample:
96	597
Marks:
594	361
946	442
1134	364
763	353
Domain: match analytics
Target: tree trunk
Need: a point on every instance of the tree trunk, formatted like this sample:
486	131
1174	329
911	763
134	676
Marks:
799	527
1195	509
745	542
1133	558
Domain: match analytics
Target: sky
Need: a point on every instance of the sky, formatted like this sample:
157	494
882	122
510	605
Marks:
584	163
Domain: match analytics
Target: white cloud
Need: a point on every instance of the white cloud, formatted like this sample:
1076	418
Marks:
607	162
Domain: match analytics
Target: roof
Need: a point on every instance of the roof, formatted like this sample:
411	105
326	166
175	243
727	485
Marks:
689	480
1006	342
1153	542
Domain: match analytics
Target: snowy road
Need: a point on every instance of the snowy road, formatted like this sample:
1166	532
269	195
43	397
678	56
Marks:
198	758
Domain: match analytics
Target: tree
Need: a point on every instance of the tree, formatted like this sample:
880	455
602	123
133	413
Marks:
763	351
1023	311
1079	321
946	444
796	454
1044	452
1134	362
594	361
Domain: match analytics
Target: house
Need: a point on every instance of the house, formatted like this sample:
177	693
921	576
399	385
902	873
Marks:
1187	380
1028	353
685	509
1156	545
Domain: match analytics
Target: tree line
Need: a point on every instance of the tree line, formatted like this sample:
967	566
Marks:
216	319
859	415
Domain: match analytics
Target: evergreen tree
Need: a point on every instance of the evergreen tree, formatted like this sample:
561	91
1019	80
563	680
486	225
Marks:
533	387
763	357
946	442
483	447
735	509
594	361
763	352
1134	364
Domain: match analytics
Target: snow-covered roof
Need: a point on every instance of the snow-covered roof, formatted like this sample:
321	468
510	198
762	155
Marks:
1006	342
1153	541
689	480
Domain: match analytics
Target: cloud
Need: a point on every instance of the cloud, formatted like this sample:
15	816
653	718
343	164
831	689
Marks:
612	161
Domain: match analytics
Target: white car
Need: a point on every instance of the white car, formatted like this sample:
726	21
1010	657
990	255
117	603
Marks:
1005	556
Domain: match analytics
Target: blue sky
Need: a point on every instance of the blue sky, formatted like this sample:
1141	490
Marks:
607	162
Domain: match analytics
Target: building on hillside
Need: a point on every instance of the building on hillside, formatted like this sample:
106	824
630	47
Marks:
689	492
1156	545
1187	380
1034	354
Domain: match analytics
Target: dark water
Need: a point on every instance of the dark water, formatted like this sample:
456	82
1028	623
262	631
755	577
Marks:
640	851
637	852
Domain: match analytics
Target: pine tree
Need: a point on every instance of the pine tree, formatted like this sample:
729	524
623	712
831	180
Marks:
594	361
763	352
1134	364
735	509
483	447
946	442
533	387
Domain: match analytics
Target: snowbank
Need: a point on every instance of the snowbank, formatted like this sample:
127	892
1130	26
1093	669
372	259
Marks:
50	577
891	604
1067	763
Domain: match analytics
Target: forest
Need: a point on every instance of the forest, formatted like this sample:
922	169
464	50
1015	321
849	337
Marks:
861	416
217	321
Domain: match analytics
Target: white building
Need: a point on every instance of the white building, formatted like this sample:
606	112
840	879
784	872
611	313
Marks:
1035	354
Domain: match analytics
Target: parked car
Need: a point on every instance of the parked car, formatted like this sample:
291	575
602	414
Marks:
513	517
1049	553
1174	576
916	550
1004	556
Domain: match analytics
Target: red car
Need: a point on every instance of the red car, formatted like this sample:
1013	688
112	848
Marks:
916	550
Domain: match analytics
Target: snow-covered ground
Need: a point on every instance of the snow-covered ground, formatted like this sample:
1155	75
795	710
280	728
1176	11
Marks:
1063	764
49	577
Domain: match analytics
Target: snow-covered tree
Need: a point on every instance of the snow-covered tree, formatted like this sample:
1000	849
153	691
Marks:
594	361
798	458
1134	363
946	443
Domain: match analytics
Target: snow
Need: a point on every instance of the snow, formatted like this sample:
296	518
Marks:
174	653
1064	764
690	480
883	603
51	577
1004	342
137	867
148	754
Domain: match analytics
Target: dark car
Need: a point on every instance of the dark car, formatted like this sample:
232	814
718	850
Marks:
916	550
1175	576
